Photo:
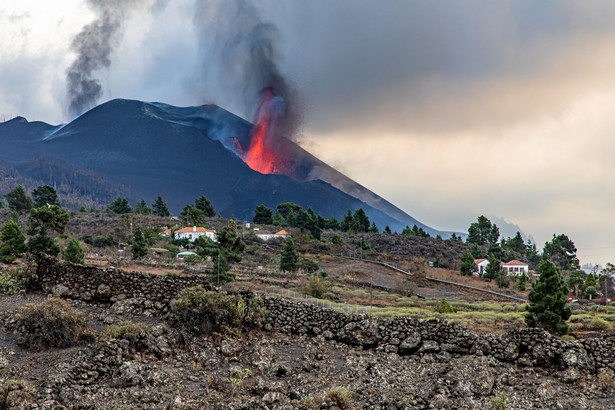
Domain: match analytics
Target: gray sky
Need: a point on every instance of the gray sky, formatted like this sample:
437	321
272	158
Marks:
449	109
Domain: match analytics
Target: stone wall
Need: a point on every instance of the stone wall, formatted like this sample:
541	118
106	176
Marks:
404	336
111	285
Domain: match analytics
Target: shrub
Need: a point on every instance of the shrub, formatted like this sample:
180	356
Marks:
53	323
308	265
605	381
444	307
342	397
125	330
599	324
499	402
316	287
200	311
9	284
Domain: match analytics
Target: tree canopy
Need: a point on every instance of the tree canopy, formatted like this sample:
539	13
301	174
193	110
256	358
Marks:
289	259
41	222
45	195
548	298
203	204
18	200
483	232
262	215
119	206
12	242
160	207
562	252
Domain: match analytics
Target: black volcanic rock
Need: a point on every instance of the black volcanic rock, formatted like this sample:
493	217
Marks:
181	153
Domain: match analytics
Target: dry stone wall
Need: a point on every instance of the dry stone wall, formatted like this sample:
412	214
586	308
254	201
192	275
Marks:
110	285
404	336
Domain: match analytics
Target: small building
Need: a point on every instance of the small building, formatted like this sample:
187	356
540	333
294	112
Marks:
481	265
166	233
192	233
281	234
515	267
264	235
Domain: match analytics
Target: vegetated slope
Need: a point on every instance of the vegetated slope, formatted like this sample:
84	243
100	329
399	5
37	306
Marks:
181	153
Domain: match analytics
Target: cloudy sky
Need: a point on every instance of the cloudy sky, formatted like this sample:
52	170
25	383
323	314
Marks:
449	109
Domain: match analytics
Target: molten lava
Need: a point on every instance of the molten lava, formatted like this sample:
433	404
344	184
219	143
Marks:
264	154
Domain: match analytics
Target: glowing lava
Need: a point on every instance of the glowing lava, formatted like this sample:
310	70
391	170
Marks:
264	155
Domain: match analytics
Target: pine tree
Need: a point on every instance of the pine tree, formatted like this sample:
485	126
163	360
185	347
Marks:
387	230
229	248
521	282
289	259
160	207
142	208
12	242
467	264
74	252
278	219
262	215
493	268
590	282
18	200
139	245
548	299
205	206
45	195
41	221
119	206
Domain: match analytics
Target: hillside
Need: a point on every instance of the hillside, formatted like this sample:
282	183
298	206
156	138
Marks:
148	149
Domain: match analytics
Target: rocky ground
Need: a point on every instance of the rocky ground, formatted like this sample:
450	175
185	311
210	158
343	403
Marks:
266	370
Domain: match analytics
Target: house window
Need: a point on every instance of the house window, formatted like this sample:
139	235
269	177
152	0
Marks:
189	236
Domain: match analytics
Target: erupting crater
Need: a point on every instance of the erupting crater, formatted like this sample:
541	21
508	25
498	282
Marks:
265	154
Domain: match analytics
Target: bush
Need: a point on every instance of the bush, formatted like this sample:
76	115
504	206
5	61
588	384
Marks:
125	330
10	285
53	323
316	287
308	265
444	307
342	397
199	311
600	324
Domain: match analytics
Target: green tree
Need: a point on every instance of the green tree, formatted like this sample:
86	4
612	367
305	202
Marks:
483	232
521	282
18	200
477	252
278	219
12	242
289	258
332	224
562	252
590	282
139	247
192	216
45	195
575	282
119	206
531	253
346	222
41	221
387	230
160	207
515	244
373	228
204	205
227	249
142	208
83	209
591	291
548	298
493	268
362	220
468	267
74	252
263	215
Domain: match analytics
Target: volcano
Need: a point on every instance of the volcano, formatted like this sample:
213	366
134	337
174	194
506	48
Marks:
148	149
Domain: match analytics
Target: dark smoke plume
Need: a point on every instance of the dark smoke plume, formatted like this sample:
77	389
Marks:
93	46
241	49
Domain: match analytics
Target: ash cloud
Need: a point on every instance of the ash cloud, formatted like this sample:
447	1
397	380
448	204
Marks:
94	45
239	52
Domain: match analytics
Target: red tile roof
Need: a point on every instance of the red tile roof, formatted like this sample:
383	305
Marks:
477	261
282	232
515	262
194	229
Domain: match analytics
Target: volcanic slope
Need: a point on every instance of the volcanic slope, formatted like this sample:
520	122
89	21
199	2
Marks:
181	153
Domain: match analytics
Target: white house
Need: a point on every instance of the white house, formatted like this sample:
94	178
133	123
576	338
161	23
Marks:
515	267
481	266
192	233
281	234
264	235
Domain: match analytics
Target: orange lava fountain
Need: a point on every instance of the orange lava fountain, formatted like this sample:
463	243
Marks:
262	155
